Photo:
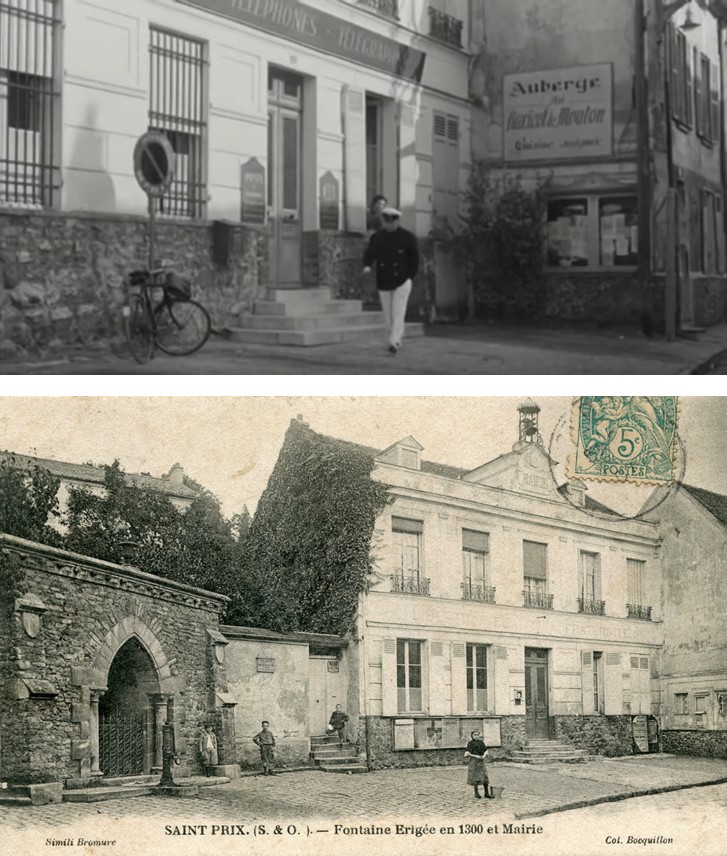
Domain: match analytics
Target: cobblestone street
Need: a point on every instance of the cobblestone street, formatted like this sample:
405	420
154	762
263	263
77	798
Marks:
314	801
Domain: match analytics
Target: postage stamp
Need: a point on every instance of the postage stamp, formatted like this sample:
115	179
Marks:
624	438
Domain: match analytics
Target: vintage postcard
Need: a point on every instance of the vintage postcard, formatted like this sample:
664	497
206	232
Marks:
363	625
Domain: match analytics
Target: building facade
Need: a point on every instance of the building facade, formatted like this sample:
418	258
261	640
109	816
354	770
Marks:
96	658
285	117
693	527
614	112
505	604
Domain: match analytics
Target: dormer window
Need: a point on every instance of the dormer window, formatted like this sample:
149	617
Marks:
406	453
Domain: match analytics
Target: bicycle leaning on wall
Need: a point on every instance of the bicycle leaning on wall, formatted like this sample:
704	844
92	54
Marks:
173	323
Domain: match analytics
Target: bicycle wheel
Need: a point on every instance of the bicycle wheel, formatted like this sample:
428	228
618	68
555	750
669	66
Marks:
138	329
181	327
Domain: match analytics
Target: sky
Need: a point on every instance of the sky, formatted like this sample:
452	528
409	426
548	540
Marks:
230	444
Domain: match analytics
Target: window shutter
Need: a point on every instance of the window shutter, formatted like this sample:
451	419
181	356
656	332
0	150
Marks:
403	524
354	166
408	167
439	166
388	677
453	172
714	89
459	679
719	232
612	689
698	117
501	666
437	681
534	560
472	540
587	681
673	60
688	89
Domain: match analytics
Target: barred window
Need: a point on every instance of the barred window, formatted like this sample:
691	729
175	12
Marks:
176	107
29	168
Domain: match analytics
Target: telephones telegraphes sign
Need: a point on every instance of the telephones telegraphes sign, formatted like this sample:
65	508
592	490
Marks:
558	114
321	31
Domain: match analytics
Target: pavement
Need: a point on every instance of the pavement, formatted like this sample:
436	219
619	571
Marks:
322	805
446	349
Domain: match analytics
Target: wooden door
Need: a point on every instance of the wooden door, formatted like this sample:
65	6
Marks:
536	693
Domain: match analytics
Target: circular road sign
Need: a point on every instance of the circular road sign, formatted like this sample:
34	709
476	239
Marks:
154	162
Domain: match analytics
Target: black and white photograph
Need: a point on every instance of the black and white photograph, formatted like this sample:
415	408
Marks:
372	625
362	187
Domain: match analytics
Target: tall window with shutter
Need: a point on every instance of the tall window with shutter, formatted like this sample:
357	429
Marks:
476	677
475	555
535	575
409	675
590	584
445	169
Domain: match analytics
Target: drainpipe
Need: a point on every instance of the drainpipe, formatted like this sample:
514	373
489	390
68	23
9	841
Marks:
643	170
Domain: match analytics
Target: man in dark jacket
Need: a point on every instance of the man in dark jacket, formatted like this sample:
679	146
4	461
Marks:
396	254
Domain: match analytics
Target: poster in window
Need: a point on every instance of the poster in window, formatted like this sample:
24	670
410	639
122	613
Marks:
568	233
253	192
329	198
618	227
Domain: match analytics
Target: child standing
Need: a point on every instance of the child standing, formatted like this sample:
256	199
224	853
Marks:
265	740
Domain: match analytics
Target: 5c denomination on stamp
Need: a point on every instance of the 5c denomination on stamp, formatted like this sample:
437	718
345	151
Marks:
624	438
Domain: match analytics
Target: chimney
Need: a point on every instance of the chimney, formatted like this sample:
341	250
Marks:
176	475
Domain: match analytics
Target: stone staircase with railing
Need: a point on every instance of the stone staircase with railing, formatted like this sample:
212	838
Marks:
546	751
329	757
310	316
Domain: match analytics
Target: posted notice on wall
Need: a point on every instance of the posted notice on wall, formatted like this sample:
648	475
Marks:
558	114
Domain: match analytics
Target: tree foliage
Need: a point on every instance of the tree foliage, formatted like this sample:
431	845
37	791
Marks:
502	245
308	553
196	546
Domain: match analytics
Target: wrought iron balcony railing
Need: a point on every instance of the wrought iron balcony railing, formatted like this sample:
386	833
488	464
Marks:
538	600
389	8
636	611
473	591
445	27
410	584
591	606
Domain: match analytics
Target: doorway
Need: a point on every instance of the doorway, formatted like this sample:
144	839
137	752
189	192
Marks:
536	693
285	113
326	690
126	716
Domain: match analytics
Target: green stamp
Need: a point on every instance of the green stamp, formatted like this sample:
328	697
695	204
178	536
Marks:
624	438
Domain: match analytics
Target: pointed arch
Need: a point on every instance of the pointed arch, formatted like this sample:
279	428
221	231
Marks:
127	628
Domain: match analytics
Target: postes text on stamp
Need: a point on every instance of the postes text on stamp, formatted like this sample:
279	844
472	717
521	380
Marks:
624	438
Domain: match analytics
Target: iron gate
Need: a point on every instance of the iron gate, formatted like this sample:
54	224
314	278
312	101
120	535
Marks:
122	739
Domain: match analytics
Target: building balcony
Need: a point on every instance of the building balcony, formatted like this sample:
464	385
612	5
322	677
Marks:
387	8
410	584
591	606
537	600
445	27
474	591
636	611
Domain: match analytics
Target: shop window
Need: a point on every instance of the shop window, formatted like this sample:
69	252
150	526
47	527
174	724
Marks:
592	232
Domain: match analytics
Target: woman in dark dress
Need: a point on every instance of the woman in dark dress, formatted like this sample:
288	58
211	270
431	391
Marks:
476	770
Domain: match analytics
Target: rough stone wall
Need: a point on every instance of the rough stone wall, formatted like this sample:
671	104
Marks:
48	739
61	275
709	744
593	298
600	735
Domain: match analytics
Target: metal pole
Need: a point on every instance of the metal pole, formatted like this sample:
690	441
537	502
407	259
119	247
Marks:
644	183
152	232
672	227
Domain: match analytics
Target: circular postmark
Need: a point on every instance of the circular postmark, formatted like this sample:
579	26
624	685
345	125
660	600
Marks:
658	491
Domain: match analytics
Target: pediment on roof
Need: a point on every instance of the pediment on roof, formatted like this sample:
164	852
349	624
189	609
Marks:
527	469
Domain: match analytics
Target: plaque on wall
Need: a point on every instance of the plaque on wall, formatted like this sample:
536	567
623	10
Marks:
329	199
252	193
640	733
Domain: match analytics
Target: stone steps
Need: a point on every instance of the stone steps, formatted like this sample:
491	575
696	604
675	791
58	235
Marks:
10	797
544	751
136	788
329	757
306	317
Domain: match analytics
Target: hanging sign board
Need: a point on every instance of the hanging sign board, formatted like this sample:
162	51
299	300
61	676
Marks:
154	162
329	198
253	192
559	114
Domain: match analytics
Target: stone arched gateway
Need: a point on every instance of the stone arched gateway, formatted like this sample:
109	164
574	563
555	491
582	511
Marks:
131	702
88	643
